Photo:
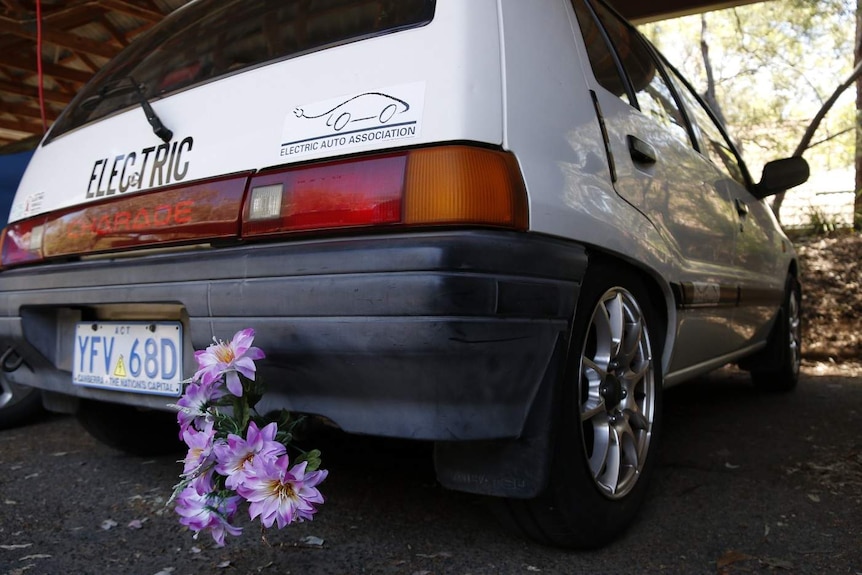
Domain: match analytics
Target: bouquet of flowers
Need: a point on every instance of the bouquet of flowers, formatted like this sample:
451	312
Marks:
235	455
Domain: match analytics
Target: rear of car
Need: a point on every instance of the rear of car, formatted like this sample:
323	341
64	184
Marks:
429	213
340	186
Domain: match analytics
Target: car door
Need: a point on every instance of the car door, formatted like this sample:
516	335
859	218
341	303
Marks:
657	168
757	271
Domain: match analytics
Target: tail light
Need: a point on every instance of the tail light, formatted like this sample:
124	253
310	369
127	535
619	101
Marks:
440	186
449	185
22	242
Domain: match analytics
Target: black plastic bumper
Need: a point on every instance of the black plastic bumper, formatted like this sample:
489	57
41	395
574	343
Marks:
442	336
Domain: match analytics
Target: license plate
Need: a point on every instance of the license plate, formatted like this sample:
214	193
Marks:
136	357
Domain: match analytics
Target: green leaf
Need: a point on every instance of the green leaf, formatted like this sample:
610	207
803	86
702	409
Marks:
312	458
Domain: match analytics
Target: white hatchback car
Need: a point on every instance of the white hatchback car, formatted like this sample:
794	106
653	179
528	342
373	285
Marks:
497	225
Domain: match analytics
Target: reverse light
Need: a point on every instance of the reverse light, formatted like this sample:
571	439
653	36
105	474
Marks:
447	185
265	202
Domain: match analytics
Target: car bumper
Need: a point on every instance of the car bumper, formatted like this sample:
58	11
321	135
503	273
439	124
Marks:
442	336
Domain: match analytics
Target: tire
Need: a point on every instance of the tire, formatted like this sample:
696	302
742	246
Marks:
18	403
608	424
776	369
129	429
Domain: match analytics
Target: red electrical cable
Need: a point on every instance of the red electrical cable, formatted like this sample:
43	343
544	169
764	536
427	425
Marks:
39	73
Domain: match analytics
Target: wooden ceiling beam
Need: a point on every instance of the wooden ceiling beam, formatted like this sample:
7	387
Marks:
25	127
33	92
129	9
49	69
59	37
24	111
113	31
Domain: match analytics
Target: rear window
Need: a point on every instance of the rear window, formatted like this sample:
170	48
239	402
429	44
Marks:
212	38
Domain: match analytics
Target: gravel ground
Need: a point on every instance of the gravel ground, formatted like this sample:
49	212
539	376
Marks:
749	483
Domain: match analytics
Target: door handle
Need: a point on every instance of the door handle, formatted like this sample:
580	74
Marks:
641	152
741	208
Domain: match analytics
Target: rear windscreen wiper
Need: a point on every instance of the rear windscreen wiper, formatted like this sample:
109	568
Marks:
126	85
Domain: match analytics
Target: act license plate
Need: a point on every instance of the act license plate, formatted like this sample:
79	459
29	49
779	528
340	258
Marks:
137	357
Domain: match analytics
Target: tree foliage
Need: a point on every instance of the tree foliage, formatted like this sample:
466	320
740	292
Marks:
774	65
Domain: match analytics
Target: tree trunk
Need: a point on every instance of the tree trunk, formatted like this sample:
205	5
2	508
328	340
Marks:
854	78
857	60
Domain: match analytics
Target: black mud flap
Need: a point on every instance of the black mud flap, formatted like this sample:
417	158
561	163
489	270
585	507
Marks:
515	468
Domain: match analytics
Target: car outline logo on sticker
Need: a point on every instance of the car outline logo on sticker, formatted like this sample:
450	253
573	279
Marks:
373	116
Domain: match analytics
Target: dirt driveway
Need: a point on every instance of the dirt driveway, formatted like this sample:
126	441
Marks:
749	483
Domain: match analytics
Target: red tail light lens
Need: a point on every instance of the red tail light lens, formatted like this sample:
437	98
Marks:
332	195
192	213
22	242
197	212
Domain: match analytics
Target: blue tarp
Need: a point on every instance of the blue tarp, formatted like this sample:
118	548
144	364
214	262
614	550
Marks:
12	167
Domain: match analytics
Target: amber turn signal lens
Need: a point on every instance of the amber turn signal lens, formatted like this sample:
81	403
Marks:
464	185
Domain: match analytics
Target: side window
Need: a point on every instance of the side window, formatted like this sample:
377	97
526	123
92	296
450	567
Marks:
602	60
711	139
652	94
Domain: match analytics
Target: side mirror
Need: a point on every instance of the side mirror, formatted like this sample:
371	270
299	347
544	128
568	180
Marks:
781	175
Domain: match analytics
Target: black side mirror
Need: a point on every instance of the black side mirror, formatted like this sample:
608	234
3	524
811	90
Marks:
781	175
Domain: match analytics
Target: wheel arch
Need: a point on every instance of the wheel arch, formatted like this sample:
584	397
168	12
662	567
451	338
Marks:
660	294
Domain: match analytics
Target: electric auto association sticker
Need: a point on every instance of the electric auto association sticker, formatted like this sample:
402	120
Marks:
377	116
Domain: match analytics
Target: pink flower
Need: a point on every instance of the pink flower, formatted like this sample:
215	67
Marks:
200	447
208	512
281	496
234	459
228	359
193	405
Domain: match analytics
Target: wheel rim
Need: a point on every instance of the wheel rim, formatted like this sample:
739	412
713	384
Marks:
617	393
794	325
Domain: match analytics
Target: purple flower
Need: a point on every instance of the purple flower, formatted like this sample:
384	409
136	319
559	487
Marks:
208	512
279	495
194	404
200	448
234	458
228	359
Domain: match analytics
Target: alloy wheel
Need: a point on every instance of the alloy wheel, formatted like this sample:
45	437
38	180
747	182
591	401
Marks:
617	393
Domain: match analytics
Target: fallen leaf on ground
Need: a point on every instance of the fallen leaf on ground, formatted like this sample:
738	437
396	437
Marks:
108	524
311	541
731	557
136	523
441	554
774	563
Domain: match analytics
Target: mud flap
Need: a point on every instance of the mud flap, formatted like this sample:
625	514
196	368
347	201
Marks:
516	468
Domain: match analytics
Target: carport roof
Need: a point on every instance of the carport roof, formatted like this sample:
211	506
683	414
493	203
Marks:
80	36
